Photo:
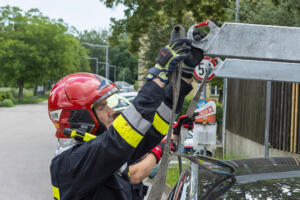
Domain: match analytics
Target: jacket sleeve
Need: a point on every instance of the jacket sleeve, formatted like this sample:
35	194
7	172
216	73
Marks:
159	116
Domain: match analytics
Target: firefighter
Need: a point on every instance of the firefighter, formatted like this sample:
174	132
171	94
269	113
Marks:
98	169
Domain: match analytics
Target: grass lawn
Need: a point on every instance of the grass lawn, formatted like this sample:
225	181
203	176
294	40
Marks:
28	97
173	172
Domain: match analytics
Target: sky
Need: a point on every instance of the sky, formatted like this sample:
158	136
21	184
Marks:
82	14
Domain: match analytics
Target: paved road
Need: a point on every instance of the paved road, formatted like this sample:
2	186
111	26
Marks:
27	145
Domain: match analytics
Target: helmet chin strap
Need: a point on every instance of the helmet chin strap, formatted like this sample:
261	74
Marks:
101	129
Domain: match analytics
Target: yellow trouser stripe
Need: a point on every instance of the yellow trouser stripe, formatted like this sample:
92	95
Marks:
56	192
126	131
160	125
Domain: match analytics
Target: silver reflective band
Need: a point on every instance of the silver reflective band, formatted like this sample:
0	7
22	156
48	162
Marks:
136	120
64	144
165	112
123	168
107	94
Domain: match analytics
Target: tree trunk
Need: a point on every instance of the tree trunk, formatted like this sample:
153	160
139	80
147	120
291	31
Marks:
142	64
21	86
44	89
35	91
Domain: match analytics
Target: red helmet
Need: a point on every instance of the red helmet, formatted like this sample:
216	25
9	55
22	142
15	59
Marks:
71	100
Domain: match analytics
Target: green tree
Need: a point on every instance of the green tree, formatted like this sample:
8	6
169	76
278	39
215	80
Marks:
35	49
270	12
119	55
141	15
95	37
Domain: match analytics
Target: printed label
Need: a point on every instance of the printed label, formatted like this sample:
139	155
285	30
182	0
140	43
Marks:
55	115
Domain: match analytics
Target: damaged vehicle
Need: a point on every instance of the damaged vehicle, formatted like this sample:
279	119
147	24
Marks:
255	178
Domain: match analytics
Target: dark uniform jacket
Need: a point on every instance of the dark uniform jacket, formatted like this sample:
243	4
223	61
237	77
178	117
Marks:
91	170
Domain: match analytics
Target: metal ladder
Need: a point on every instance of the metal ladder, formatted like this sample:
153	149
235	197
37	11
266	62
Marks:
259	52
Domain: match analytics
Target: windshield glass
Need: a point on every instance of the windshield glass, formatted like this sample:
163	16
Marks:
250	179
117	102
288	188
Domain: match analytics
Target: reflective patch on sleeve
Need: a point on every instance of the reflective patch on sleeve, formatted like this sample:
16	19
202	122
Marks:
165	112
160	124
136	120
131	136
55	193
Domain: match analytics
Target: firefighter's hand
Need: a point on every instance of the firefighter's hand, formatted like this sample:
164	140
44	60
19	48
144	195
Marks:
183	120
168	59
193	59
139	171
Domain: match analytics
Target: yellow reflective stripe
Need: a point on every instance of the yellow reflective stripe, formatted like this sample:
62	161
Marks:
124	129
87	137
73	134
55	192
160	125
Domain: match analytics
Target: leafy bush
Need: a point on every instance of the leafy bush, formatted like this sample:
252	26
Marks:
28	98
186	103
7	103
219	114
27	93
6	94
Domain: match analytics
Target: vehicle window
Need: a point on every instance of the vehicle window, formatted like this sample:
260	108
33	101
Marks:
116	101
288	188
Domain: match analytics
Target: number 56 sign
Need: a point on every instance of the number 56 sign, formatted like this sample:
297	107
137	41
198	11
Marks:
201	69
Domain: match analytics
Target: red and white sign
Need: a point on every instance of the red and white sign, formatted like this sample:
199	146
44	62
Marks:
201	69
207	111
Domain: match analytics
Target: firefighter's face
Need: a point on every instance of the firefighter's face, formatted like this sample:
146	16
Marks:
104	113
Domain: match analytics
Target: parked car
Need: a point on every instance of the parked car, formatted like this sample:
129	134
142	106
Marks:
117	102
124	86
256	178
129	95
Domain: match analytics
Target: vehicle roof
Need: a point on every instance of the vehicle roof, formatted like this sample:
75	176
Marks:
124	94
122	83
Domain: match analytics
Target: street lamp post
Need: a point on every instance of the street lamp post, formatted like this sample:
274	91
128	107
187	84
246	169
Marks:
106	56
